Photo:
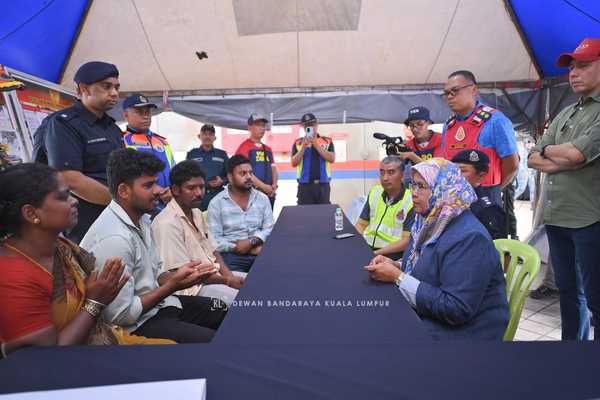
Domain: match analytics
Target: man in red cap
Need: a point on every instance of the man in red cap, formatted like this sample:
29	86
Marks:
569	152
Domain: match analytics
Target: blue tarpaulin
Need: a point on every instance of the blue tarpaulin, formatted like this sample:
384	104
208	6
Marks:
36	36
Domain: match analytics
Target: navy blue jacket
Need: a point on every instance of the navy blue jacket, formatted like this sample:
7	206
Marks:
462	292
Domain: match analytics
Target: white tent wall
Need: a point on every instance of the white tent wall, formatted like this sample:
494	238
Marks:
299	43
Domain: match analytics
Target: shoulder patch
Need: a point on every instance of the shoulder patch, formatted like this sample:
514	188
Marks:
450	121
66	115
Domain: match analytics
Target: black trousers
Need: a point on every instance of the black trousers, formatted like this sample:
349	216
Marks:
196	322
313	193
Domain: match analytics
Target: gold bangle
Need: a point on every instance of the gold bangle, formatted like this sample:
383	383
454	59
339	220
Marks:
92	307
102	305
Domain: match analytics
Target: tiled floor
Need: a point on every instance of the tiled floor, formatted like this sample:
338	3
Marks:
540	320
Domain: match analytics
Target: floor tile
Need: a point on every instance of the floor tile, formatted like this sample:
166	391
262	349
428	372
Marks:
548	320
523	335
535	327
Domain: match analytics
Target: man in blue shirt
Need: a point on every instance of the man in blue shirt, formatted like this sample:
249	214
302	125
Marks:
475	125
213	161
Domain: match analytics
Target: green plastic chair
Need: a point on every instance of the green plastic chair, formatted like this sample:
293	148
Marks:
523	267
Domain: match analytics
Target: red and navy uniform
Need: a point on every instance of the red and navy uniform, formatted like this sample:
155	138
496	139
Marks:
261	158
432	149
461	134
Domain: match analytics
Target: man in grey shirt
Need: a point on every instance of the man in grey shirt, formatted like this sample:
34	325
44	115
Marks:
146	305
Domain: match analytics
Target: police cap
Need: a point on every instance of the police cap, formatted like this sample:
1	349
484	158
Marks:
95	71
473	157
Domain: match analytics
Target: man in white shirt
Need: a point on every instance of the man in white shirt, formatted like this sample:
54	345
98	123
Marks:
146	305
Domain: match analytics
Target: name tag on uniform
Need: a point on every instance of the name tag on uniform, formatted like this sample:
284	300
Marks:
219	159
97	140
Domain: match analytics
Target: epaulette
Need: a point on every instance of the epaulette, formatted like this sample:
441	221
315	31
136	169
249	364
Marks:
482	115
66	115
450	121
159	136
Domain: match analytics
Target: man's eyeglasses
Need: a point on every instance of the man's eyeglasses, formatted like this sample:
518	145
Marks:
418	187
417	124
455	90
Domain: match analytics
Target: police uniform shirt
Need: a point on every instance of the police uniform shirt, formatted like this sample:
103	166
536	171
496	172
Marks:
490	213
76	139
213	161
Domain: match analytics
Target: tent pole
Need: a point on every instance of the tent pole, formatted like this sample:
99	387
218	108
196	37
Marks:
513	17
516	105
75	39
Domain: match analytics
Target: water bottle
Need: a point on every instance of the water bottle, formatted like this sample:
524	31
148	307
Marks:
339	220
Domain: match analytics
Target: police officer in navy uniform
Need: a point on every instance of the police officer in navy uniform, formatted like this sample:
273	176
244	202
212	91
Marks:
474	165
213	160
77	141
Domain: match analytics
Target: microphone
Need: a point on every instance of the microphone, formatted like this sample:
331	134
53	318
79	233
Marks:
380	136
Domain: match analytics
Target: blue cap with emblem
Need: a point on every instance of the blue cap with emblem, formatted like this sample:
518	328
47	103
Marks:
477	158
95	71
137	100
417	113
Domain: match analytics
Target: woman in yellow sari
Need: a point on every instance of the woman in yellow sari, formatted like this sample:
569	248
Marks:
49	291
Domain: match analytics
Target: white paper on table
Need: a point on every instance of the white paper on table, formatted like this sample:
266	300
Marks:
183	389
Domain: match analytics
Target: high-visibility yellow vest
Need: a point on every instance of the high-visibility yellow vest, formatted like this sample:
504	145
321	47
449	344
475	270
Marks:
386	222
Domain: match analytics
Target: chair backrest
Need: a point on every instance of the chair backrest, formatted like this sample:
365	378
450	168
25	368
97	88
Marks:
524	265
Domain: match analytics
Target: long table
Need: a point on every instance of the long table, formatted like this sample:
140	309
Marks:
306	287
324	352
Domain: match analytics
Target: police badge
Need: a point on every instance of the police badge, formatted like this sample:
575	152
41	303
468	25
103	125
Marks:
460	134
400	215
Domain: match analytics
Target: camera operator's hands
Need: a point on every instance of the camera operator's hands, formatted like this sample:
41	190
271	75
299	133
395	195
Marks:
410	155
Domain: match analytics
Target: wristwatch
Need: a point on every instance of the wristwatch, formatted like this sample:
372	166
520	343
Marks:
543	152
254	241
398	280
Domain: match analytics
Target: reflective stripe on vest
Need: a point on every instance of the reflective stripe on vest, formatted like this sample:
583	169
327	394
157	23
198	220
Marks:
303	168
461	135
390	218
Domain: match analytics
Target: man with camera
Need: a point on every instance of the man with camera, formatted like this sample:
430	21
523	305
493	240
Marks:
425	143
312	155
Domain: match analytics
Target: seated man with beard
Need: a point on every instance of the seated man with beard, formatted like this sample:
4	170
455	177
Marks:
240	217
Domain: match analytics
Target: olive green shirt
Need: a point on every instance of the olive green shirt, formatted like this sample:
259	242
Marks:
574	196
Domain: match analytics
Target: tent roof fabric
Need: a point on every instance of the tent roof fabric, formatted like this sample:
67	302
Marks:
394	42
293	43
556	26
36	36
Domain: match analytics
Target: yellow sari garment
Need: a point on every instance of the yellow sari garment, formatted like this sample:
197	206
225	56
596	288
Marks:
71	265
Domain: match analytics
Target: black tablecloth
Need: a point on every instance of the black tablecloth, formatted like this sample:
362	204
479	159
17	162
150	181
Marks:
306	352
444	370
303	263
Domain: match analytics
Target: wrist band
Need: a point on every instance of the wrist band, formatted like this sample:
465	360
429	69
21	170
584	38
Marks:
92	307
96	302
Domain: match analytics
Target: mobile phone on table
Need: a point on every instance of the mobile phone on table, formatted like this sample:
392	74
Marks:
344	235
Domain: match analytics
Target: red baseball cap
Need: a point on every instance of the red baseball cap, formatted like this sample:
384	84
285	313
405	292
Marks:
588	50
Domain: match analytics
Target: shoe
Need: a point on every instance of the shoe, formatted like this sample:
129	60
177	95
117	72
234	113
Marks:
543	292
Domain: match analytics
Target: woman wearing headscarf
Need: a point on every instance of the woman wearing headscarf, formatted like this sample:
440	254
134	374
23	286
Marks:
49	291
451	271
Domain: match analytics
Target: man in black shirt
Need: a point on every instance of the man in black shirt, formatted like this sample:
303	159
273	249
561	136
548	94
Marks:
78	140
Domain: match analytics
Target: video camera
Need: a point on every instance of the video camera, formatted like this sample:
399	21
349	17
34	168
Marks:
393	145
